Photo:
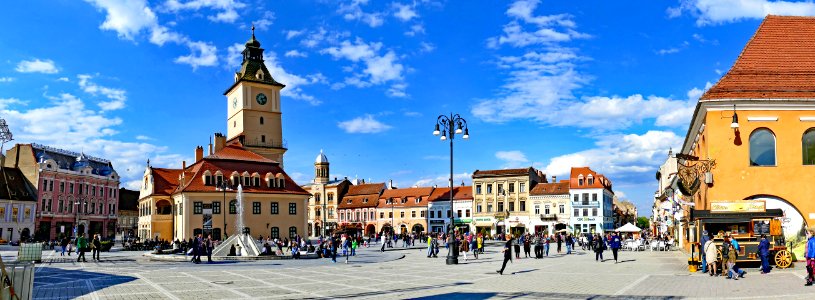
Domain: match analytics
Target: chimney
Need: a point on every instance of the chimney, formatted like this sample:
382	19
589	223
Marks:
554	179
210	146
390	184
199	153
220	141
183	165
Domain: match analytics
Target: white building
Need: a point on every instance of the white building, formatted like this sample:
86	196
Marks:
550	202
592	201
439	212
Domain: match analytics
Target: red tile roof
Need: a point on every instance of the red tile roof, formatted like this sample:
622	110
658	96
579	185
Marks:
459	193
408	194
559	188
358	201
235	151
777	62
366	189
164	181
600	181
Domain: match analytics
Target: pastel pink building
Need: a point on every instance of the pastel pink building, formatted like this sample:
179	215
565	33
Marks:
75	192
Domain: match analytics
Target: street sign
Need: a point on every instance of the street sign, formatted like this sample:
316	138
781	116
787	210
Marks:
62	228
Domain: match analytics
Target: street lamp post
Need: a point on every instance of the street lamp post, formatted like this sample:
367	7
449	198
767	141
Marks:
325	218
450	126
223	187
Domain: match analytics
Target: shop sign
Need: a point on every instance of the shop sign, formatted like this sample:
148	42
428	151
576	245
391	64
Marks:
586	219
483	219
737	206
436	221
462	221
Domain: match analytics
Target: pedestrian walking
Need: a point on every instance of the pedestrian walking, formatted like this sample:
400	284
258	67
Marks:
81	247
517	244
711	254
465	247
527	245
354	246
729	258
208	246
384	237
764	254
599	246
809	254
616	243
538	246
473	245
559	239
569	244
64	244
507	254
480	243
547	240
96	247
702	251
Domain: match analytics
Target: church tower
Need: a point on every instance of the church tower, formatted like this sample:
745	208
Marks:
321	169
253	106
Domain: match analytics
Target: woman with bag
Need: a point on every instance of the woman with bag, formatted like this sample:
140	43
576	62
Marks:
464	248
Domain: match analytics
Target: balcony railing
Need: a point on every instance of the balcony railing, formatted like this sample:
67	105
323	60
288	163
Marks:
265	144
551	217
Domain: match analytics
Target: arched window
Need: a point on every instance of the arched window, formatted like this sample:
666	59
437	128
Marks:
317	198
762	147
233	209
808	145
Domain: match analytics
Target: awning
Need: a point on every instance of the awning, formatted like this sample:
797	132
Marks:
483	224
708	217
500	223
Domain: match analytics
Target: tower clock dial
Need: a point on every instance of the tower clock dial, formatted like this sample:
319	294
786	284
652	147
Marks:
234	102
261	99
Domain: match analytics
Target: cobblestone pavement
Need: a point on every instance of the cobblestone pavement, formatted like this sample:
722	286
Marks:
408	274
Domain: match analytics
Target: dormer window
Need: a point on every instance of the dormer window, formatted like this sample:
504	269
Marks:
365	200
349	201
591	180
259	75
580	180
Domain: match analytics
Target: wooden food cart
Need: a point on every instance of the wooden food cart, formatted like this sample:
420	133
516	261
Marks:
745	221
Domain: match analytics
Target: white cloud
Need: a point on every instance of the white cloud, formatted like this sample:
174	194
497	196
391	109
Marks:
202	54
36	65
6	102
63	79
668	51
226	10
352	10
264	22
6	79
713	12
628	158
523	10
379	69
415	29
116	97
143	138
427	47
293	33
295	53
128	18
366	124
294	83
404	12
512	159
65	122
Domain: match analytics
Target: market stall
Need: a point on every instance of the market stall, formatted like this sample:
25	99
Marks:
745	221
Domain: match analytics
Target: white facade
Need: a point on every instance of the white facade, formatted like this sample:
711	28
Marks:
462	210
591	210
438	215
550	210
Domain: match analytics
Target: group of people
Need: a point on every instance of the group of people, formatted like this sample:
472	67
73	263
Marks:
730	251
200	245
330	246
81	245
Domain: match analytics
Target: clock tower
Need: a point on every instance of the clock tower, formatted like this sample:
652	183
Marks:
253	106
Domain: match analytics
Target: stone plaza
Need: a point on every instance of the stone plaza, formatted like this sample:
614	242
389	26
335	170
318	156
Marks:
407	274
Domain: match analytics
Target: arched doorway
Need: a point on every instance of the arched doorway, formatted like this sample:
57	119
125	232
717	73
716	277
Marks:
370	229
80	229
418	228
403	229
25	234
793	223
386	229
318	230
163	207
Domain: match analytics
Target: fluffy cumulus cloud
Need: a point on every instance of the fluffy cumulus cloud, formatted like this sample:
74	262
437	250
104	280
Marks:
443	180
712	12
541	82
36	65
116	97
295	53
380	66
65	122
512	159
223	10
6	79
353	11
404	12
625	158
130	18
294	83
364	124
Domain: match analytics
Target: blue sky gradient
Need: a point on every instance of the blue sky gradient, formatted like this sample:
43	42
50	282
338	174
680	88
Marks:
550	84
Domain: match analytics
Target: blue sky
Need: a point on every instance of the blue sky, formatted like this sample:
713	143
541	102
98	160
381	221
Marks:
550	84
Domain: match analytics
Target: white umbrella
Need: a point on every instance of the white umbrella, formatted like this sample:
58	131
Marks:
628	228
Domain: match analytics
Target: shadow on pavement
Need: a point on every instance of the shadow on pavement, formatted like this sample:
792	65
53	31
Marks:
390	293
68	284
537	295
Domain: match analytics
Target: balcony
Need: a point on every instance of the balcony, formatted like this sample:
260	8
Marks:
265	144
548	217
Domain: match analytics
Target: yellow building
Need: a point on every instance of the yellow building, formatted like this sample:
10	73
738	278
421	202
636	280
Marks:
402	210
501	200
753	132
202	197
325	195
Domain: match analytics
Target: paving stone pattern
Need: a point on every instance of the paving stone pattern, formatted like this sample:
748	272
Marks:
403	274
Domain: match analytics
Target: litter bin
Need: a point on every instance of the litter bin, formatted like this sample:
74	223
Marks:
30	252
22	279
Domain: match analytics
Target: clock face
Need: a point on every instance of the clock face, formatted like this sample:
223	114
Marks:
261	98
234	102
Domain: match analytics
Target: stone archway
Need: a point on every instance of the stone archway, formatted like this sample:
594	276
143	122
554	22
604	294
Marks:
794	222
370	229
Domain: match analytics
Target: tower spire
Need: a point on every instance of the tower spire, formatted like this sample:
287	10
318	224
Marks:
253	30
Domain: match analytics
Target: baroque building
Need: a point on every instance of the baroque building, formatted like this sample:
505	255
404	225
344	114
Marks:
501	199
325	194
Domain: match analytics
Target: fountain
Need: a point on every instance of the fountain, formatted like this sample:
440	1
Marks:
249	247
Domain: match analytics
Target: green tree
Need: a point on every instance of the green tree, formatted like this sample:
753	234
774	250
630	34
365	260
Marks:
643	222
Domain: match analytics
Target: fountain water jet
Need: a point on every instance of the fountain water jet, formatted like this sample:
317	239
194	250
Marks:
248	245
